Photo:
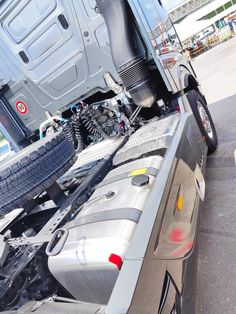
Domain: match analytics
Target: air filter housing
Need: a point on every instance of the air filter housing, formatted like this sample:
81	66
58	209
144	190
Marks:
126	52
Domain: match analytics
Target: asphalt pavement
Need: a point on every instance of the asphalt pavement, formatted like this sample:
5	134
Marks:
216	294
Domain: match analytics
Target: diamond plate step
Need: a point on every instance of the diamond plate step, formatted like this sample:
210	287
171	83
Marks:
97	152
156	135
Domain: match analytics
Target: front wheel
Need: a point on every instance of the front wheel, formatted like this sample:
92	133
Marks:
204	119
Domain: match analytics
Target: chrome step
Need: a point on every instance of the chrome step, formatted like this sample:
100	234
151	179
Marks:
156	135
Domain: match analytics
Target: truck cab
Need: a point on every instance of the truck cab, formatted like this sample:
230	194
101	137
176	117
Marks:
55	54
100	206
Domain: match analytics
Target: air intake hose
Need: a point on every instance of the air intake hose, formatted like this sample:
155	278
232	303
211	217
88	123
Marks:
126	51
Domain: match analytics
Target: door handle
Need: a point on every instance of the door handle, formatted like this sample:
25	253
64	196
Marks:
62	19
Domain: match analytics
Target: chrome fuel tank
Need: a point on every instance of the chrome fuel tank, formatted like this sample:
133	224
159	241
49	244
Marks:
95	243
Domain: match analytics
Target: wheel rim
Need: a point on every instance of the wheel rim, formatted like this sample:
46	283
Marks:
205	120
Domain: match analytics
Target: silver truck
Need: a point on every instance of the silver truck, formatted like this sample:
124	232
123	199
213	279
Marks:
100	206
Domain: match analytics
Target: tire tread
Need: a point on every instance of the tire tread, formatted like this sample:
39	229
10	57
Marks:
34	172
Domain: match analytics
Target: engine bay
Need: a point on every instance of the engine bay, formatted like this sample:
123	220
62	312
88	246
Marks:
106	119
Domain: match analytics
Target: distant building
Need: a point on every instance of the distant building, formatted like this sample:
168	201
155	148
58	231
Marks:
195	17
185	8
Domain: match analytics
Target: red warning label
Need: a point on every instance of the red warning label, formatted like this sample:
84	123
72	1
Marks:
21	107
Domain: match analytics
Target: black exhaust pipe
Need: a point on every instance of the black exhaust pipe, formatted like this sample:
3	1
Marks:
126	52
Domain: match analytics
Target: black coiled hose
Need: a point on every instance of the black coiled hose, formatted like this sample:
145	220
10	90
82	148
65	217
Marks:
87	122
72	130
86	119
68	131
79	143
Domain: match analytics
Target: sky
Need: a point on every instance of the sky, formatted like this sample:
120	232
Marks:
168	4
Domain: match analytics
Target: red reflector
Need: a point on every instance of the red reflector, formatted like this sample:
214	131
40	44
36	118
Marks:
176	235
116	260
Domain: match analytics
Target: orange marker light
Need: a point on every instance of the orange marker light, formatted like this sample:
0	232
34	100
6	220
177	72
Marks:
180	203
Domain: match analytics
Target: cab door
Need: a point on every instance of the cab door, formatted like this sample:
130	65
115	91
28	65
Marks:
162	40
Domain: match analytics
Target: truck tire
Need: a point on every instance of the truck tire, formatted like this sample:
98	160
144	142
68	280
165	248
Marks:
204	119
32	170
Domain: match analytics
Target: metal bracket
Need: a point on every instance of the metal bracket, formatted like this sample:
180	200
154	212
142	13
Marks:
35	241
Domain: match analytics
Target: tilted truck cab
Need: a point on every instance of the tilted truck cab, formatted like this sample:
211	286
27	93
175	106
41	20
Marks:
63	52
100	206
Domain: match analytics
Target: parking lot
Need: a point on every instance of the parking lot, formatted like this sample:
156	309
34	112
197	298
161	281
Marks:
217	267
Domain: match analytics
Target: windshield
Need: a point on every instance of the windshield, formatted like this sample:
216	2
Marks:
4	149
